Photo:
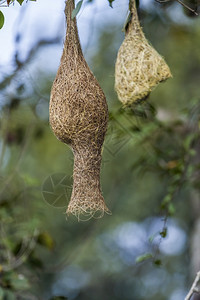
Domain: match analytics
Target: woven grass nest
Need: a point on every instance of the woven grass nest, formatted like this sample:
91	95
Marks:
139	67
79	117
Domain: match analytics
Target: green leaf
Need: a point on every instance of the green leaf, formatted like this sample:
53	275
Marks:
1	19
143	257
192	152
126	23
157	262
166	201
8	295
77	9
46	240
171	209
188	140
16	281
20	1
110	2
163	233
20	283
152	237
1	294
137	3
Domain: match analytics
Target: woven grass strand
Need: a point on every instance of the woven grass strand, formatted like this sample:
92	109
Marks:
139	67
79	117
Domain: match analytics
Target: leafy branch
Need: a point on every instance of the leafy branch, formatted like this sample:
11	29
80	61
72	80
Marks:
6	3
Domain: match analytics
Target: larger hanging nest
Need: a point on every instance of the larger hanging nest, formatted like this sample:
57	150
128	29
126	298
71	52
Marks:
79	117
139	67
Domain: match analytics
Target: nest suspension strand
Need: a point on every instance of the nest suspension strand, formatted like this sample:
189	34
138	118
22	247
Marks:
139	67
79	117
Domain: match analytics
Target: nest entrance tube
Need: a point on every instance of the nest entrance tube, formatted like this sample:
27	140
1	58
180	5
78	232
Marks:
79	117
86	195
139	67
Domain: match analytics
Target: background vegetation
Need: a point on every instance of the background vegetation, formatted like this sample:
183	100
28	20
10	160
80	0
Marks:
149	247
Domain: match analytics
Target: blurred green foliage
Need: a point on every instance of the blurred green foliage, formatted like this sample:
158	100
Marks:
150	168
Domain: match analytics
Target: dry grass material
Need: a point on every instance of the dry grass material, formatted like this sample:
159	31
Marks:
79	117
139	67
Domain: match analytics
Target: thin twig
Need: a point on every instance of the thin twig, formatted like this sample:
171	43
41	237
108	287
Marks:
180	2
194	288
41	43
186	6
163	1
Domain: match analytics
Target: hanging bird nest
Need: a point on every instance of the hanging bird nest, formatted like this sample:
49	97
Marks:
79	117
139	67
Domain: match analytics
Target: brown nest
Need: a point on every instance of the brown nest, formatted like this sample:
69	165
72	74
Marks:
79	117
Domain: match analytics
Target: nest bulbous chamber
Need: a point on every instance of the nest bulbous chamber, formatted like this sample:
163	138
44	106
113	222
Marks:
79	117
139	67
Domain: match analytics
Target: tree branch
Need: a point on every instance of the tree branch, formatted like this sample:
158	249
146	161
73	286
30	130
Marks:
195	287
180	2
31	54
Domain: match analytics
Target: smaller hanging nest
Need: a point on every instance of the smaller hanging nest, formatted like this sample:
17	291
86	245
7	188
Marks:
139	67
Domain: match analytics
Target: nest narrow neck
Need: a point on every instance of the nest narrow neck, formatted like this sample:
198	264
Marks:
134	25
72	37
87	170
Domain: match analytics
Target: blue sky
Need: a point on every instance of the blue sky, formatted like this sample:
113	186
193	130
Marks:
45	18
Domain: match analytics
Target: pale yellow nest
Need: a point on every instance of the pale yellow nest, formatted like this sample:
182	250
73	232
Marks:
139	67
